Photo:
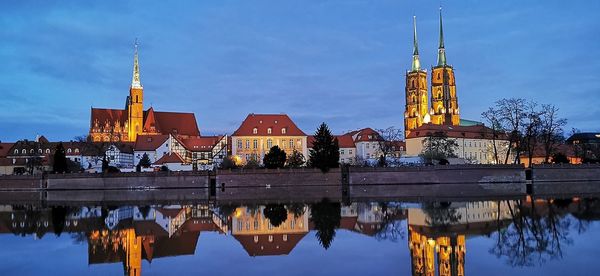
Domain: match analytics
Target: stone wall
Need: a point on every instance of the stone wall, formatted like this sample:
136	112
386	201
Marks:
152	180
565	172
20	182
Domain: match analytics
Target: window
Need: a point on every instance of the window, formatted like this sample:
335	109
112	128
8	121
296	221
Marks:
291	144
367	145
76	150
239	144
284	237
368	155
247	143
269	143
349	151
68	150
341	151
255	144
39	150
255	131
283	145
31	151
283	131
270	238
269	130
16	151
255	239
47	150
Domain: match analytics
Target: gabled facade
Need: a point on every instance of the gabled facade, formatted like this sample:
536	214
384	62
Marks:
259	132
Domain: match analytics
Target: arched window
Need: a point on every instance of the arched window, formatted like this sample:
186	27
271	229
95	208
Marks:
76	150
68	150
39	150
47	150
31	151
16	151
255	131
283	130
269	130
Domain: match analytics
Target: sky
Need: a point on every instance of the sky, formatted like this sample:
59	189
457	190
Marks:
342	62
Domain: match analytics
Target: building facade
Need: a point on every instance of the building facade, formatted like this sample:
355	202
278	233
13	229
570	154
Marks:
259	132
124	125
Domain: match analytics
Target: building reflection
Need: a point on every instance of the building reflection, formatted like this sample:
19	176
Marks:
437	233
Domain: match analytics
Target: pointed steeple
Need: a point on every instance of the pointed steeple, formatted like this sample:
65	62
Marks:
416	64
441	59
135	82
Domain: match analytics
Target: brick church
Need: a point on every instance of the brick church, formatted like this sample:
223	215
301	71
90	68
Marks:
125	125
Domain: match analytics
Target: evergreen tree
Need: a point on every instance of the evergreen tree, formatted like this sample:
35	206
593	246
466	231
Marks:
60	160
296	160
145	161
325	153
275	158
326	216
276	213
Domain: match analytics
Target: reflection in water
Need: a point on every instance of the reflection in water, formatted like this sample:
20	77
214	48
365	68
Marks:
524	231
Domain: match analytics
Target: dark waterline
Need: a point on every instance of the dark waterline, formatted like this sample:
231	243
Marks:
517	236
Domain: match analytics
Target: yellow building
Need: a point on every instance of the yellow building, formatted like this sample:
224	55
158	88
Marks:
258	133
444	101
417	102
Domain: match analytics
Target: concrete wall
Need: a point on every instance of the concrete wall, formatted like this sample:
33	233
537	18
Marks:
566	172
278	185
154	180
20	182
456	174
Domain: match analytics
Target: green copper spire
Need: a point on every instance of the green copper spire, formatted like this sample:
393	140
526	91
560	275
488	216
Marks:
416	64
441	60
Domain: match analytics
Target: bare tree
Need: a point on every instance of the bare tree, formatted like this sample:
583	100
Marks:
512	114
551	130
390	138
492	116
531	130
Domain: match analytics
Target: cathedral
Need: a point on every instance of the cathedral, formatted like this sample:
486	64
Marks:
126	124
444	102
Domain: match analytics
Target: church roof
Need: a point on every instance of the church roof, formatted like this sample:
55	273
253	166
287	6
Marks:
262	122
469	132
176	123
104	115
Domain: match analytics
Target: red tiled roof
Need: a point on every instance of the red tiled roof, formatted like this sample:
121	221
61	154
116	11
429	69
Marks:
345	141
203	143
149	142
104	115
470	132
169	158
168	212
5	148
366	135
262	122
176	123
265	248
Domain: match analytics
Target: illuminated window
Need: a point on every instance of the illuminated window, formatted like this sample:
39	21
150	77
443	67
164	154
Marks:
269	130
247	143
239	144
76	150
291	144
68	150
269	143
255	130
283	131
255	144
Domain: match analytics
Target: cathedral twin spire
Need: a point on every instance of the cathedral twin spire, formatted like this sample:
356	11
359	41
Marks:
441	58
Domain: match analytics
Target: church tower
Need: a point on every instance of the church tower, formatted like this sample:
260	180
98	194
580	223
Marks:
135	106
417	105
444	102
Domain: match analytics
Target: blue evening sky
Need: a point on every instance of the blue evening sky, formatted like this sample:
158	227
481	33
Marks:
338	61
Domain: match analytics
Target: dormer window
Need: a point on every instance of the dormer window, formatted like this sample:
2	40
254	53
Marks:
255	130
76	150
269	130
47	150
16	151
31	151
68	150
39	150
283	130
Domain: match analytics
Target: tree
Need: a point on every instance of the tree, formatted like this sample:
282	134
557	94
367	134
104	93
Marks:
325	153
438	146
276	213
60	160
252	163
531	130
227	163
560	158
551	130
326	216
388	142
512	114
493	119
275	158
296	160
145	161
